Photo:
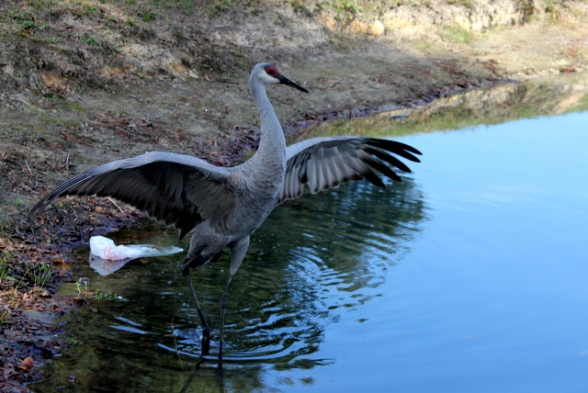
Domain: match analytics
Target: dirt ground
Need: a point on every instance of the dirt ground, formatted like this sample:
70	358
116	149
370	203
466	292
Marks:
86	82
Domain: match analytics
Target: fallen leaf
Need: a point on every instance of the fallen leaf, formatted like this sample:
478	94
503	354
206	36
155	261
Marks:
26	364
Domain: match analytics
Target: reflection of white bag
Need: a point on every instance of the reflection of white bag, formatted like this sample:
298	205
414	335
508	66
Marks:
104	248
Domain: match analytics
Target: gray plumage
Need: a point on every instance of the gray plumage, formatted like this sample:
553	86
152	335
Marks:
221	206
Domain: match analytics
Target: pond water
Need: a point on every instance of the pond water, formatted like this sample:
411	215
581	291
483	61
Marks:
469	276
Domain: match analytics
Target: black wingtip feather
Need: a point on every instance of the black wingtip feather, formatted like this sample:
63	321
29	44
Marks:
402	149
385	156
373	178
382	168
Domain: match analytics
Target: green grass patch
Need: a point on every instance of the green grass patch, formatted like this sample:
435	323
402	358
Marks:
5	271
457	34
38	275
462	3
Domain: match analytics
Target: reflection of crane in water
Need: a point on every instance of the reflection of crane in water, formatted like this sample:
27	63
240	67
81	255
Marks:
223	206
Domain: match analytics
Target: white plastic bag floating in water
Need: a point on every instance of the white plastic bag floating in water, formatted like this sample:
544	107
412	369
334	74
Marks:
106	257
104	248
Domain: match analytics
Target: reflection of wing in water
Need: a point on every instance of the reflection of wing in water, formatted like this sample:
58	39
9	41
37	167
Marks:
354	219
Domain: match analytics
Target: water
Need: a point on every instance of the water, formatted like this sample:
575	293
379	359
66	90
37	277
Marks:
470	275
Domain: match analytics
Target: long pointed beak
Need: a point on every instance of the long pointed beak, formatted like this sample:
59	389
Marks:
285	81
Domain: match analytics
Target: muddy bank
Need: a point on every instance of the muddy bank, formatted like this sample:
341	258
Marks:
88	82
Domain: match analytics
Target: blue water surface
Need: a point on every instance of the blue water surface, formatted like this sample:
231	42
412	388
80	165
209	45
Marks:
493	295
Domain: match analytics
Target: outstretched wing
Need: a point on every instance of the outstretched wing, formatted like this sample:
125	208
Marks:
322	163
178	189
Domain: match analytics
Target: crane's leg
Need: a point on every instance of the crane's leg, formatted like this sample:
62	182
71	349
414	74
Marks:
205	340
238	251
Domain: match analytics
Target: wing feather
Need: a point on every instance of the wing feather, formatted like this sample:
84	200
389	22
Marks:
322	163
177	189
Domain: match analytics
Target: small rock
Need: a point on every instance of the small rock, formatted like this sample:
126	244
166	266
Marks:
376	28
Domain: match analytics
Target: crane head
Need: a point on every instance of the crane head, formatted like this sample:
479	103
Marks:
270	74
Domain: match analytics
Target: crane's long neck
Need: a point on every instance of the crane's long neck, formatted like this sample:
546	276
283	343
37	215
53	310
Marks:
271	154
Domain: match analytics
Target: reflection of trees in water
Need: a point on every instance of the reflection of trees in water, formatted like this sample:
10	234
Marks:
313	258
491	105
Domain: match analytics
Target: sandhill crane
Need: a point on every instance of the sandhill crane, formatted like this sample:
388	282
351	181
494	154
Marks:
222	206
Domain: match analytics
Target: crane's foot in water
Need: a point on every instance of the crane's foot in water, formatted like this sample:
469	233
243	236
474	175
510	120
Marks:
205	341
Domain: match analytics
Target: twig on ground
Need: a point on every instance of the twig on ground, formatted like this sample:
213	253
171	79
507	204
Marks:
116	204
